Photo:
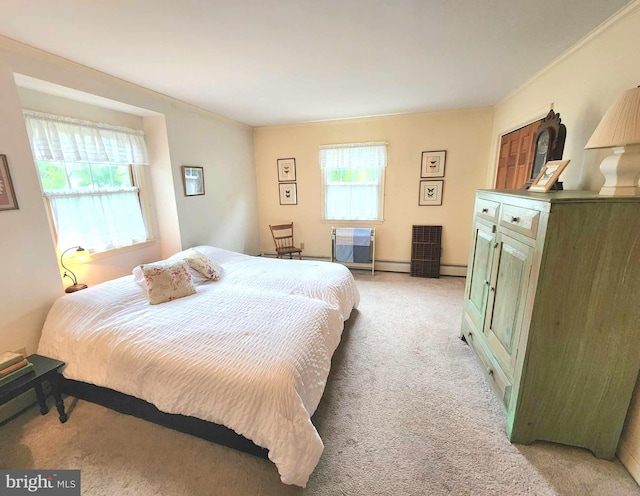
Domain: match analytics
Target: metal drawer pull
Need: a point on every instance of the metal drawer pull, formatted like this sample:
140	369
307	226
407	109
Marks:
515	220
485	210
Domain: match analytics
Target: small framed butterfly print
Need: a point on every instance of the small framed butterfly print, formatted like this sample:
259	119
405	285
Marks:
286	169
288	193
430	193
433	164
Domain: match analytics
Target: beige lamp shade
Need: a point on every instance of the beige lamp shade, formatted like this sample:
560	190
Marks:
620	126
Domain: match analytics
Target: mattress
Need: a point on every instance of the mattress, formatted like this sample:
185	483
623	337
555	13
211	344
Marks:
251	351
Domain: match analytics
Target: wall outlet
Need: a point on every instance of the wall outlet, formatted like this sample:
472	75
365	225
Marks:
302	246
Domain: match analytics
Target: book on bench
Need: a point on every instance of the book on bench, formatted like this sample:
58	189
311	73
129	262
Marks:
12	376
9	358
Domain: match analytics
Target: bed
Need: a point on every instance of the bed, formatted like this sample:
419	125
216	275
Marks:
250	352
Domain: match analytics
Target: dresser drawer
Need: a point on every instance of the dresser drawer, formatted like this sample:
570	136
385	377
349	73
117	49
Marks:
487	209
497	379
521	220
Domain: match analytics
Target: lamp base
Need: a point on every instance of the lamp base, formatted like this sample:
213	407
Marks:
75	287
619	191
621	172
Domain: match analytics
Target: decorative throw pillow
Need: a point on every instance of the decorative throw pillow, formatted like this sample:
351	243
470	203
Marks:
203	264
167	281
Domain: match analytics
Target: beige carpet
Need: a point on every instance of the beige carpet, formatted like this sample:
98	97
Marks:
406	411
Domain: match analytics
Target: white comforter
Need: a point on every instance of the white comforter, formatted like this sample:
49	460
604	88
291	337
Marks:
251	351
331	283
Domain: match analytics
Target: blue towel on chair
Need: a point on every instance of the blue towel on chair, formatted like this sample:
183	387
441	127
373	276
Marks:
353	244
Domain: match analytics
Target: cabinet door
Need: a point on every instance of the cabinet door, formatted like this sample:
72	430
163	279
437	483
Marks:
480	272
507	297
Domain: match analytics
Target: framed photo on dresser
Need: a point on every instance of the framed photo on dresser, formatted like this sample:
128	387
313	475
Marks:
548	176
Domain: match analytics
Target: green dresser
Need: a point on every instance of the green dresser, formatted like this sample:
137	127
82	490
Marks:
552	312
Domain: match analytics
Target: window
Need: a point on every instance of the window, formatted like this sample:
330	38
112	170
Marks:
353	176
88	174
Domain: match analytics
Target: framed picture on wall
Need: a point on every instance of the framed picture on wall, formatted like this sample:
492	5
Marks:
430	193
288	194
193	180
7	194
286	169
433	164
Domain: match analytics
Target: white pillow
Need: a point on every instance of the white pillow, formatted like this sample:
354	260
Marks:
167	281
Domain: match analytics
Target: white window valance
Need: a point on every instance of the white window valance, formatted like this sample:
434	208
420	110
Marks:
66	139
354	156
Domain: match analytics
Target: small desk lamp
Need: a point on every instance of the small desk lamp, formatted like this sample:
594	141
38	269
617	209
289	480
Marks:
620	129
68	273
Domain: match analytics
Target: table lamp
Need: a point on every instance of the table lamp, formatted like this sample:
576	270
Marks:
620	129
68	273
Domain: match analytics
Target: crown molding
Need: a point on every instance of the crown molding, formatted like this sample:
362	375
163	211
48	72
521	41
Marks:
616	18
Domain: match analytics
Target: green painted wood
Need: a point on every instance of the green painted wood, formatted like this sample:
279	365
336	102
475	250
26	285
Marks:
577	352
509	291
480	269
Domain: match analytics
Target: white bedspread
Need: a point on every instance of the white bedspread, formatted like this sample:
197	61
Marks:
251	351
331	283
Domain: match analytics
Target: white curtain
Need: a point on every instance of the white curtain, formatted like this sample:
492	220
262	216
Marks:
60	138
359	197
98	221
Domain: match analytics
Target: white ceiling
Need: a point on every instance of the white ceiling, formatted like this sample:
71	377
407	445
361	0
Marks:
267	62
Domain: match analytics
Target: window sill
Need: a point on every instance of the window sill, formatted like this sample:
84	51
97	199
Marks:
118	251
330	221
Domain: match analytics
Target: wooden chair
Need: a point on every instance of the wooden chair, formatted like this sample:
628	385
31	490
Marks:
283	239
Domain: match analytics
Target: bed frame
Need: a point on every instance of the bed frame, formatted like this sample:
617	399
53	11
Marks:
130	405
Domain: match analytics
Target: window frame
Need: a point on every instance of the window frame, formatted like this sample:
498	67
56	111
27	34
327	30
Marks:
135	172
381	187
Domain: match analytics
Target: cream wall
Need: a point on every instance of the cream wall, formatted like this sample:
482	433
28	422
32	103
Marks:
226	216
582	85
30	278
464	134
180	135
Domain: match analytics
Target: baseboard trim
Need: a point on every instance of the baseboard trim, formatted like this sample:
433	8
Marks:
392	265
630	462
